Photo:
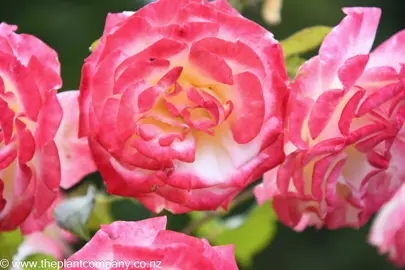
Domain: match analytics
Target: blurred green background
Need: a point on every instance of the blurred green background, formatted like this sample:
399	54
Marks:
70	26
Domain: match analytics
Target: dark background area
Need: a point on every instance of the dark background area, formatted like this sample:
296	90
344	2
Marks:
70	26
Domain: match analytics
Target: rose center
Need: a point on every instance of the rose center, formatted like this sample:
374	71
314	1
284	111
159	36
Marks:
185	104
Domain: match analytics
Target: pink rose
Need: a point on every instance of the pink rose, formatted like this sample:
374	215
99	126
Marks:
388	230
30	143
148	242
182	104
345	111
30	117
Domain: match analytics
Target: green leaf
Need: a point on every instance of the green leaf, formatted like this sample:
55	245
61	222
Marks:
41	261
101	213
249	233
304	40
253	235
293	63
210	229
9	243
73	214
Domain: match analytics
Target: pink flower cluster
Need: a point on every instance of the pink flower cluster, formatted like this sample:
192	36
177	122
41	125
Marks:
185	103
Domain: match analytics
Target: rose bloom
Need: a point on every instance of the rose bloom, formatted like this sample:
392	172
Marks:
345	111
147	244
388	230
182	104
30	115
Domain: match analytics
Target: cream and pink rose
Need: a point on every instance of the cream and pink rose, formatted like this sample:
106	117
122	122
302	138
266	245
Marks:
30	117
345	113
31	142
182	103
